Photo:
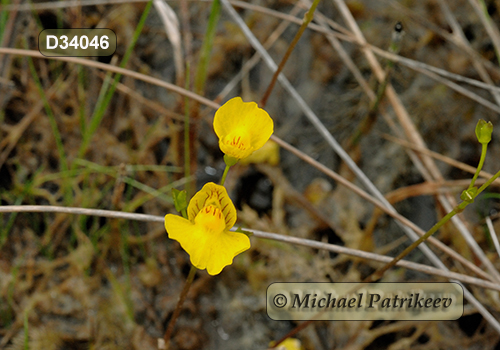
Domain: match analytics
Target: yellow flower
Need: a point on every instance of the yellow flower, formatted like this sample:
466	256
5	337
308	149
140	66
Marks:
289	344
206	236
242	127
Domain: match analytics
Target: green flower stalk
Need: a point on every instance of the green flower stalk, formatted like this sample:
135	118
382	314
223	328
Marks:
483	133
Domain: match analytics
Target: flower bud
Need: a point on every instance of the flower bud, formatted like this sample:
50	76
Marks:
483	131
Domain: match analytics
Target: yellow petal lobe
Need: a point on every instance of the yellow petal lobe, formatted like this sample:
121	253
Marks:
192	238
224	248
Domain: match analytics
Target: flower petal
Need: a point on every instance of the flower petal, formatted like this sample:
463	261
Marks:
224	248
197	203
262	128
227	117
192	238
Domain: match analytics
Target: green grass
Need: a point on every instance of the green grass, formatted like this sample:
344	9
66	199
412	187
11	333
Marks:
109	87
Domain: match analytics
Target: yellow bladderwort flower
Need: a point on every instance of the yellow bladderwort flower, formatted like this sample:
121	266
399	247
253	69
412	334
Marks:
242	127
206	236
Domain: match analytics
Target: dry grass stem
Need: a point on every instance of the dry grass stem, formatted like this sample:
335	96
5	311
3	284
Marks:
256	233
459	165
493	234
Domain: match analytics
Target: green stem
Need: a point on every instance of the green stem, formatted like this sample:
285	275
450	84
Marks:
105	93
55	130
459	208
380	272
480	166
178	308
487	183
224	175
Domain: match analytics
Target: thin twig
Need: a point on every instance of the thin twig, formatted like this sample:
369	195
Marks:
458	36
258	234
493	234
80	211
178	308
307	19
114	69
437	74
438	156
248	65
492	30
